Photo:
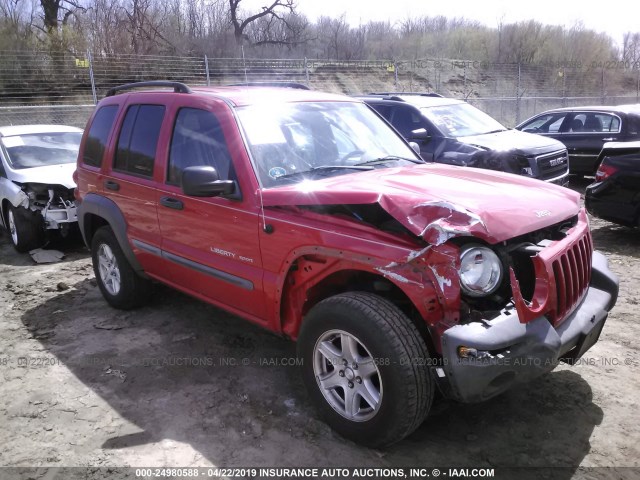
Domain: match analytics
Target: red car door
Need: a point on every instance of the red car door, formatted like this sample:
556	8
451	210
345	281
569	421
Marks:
212	243
130	180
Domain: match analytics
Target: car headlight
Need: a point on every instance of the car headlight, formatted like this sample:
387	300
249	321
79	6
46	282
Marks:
480	271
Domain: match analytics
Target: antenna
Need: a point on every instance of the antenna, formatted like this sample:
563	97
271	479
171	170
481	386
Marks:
265	228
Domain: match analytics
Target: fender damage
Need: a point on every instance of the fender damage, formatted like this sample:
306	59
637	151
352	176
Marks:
410	203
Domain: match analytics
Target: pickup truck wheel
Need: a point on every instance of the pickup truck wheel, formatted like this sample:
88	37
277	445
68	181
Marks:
26	228
120	285
365	367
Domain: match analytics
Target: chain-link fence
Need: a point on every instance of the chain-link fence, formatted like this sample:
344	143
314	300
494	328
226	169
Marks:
44	88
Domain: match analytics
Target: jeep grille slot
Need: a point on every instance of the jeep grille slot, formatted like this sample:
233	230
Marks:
572	273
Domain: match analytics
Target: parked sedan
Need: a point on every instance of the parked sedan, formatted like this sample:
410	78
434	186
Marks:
36	181
584	130
615	195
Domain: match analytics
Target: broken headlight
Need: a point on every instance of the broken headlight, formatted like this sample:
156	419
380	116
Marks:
480	270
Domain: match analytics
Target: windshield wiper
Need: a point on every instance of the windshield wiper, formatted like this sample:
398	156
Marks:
324	168
388	158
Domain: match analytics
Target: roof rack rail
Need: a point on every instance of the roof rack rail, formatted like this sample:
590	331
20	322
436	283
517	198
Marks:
395	94
178	87
300	86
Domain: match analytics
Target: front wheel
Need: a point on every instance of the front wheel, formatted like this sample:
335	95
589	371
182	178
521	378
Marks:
26	228
365	367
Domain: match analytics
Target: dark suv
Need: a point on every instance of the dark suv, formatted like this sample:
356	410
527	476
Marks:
456	133
305	213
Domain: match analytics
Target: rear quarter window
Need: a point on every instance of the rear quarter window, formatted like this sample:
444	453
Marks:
609	123
98	135
139	139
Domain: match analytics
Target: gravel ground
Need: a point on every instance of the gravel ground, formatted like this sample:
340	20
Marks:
181	383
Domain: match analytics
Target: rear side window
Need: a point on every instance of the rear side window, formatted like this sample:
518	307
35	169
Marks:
593	123
609	123
139	139
98	135
198	141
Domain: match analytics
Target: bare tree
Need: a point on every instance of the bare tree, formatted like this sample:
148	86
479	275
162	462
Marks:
106	17
279	15
631	49
52	9
144	25
16	22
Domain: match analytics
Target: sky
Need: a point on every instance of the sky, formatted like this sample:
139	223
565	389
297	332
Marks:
613	18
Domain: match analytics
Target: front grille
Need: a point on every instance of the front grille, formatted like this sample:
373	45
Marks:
552	165
572	273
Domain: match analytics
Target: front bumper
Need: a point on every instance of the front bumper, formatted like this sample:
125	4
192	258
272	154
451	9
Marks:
55	217
562	180
519	352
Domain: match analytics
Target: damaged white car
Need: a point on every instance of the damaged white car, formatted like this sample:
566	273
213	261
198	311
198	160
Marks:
36	181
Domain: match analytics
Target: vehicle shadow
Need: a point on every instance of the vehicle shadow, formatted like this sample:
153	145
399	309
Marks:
188	372
546	423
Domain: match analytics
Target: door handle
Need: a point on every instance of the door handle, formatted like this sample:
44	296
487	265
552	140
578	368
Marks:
610	139
111	185
171	203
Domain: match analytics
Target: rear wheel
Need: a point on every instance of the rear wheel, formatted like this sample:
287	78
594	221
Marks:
365	367
120	285
26	228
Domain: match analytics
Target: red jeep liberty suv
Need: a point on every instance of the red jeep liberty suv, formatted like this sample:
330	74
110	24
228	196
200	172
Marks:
304	212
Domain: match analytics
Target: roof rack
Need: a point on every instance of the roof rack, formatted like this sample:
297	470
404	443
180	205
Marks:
395	95
299	86
178	87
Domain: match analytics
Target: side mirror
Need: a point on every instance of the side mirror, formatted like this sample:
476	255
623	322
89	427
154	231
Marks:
415	147
204	182
419	134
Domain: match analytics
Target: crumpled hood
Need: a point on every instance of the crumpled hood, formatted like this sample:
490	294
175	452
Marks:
514	140
438	202
49	175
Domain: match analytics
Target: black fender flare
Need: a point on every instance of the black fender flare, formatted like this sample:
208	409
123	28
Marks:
93	204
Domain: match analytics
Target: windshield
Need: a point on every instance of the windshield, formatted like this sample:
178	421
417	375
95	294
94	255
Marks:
293	141
461	120
42	149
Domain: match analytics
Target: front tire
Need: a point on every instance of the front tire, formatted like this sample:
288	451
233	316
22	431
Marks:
120	285
365	366
26	228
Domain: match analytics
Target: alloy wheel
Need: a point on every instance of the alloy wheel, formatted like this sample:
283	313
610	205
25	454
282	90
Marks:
108	268
347	375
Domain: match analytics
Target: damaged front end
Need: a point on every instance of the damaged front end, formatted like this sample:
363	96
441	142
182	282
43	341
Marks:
537	299
504	277
550	308
55	203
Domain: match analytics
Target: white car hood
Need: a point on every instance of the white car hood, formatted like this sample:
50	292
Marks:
49	175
